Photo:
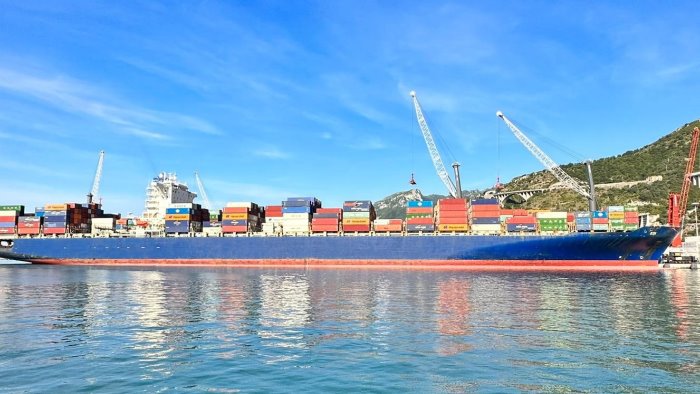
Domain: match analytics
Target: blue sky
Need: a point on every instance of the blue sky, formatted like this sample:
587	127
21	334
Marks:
270	99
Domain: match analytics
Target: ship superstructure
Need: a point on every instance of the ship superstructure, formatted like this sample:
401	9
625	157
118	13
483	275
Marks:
162	192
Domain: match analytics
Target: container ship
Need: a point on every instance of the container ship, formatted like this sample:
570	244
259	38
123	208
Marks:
453	232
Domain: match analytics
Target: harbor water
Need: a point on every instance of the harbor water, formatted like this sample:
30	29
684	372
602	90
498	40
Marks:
69	329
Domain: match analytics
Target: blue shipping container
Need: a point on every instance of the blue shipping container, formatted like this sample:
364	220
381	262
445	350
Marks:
55	224
420	227
306	209
600	214
514	228
63	218
486	220
419	204
177	211
485	201
326	215
357	206
55	213
239	222
39	214
7	224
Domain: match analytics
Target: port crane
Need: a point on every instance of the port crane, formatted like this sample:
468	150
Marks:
553	167
96	180
454	188
678	202
200	186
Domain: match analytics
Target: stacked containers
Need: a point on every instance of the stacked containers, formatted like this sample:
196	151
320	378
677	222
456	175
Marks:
241	217
600	221
30	225
521	222
419	216
616	217
583	221
296	214
326	220
452	215
55	218
552	222
631	218
182	218
214	219
358	216
388	225
79	218
8	218
485	216
273	219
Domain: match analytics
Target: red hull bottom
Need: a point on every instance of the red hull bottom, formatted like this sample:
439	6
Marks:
535	265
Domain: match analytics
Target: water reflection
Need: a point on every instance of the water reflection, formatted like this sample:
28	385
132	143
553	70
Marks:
466	329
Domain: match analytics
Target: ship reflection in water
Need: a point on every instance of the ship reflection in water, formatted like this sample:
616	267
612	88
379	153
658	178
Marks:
218	329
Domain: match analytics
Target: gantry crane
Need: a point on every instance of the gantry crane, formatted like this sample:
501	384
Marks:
200	186
553	167
454	188
678	202
96	181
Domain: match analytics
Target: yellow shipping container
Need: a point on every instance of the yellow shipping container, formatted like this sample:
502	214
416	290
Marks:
55	207
234	216
355	221
453	227
180	216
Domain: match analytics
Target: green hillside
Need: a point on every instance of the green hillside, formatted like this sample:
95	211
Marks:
666	158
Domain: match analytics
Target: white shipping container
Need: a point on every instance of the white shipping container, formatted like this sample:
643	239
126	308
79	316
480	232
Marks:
182	205
8	213
355	215
306	216
239	204
382	222
616	208
486	228
551	215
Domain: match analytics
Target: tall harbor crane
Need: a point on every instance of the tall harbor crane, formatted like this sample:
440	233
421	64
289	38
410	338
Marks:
200	186
98	176
553	167
454	188
678	202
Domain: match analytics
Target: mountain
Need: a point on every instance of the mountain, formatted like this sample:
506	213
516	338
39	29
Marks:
394	206
642	177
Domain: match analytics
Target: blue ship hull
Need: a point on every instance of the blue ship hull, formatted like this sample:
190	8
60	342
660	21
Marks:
643	247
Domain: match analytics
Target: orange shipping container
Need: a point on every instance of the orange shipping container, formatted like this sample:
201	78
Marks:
234	216
234	229
453	214
177	217
325	228
487	214
389	227
325	221
329	210
453	220
28	231
419	210
56	207
235	209
453	227
485	208
353	221
452	201
419	221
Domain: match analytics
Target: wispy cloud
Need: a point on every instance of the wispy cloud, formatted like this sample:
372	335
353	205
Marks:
76	97
224	191
272	152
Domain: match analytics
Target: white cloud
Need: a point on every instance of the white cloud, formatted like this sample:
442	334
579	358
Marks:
272	153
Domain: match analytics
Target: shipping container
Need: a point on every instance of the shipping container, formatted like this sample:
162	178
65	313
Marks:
18	209
318	215
600	214
356	227
58	230
29	231
426	210
8	219
418	204
453	214
420	227
325	221
234	229
486	220
521	227
485	201
453	227
360	221
420	221
453	221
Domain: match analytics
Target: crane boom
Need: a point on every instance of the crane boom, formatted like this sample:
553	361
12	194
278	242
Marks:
548	163
676	218
200	186
432	149
96	180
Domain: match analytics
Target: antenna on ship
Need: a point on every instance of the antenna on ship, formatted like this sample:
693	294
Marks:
96	181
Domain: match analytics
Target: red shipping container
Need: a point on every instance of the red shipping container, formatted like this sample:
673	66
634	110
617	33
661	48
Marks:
486	214
520	212
325	221
235	210
631	214
54	230
600	220
570	217
329	210
28	224
234	229
395	221
485	208
389	227
452	201
420	221
419	210
521	220
453	214
632	220
463	220
273	214
8	219
356	227
28	231
6	230
324	228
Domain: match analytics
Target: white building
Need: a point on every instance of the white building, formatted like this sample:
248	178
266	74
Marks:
163	191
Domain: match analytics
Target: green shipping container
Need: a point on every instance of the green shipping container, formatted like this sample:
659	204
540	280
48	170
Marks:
631	209
16	208
418	215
